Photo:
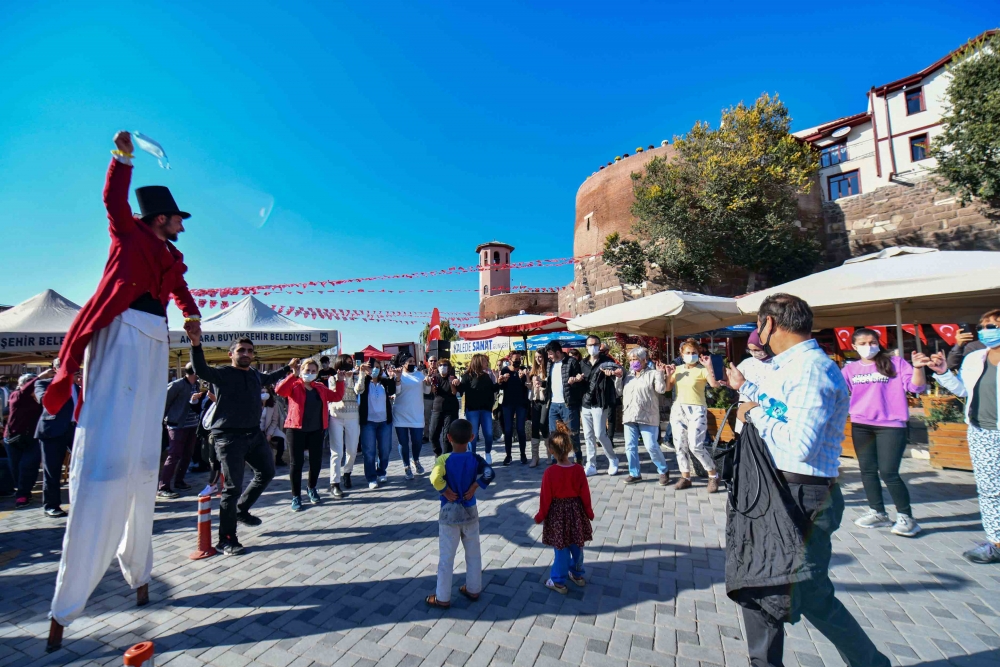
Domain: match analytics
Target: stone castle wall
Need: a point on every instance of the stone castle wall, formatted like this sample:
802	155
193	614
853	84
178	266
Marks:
503	305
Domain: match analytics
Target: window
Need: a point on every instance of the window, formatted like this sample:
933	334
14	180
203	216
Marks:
496	257
486	258
832	155
486	290
919	148
844	185
507	258
915	101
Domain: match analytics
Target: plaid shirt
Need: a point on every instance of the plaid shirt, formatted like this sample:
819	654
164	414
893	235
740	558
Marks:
802	412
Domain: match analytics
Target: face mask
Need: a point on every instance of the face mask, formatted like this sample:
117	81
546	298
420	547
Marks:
349	369
990	337
636	366
376	372
410	368
443	370
264	396
690	358
765	346
867	351
594	350
309	377
759	355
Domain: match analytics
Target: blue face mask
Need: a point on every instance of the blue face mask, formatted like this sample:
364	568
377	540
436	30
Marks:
990	337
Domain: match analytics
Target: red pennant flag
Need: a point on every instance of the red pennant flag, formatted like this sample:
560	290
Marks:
946	331
211	304
909	328
883	334
202	302
225	304
844	337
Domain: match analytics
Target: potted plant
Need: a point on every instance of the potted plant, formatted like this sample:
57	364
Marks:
719	400
946	432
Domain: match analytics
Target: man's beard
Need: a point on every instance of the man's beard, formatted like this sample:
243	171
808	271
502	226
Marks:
172	238
244	362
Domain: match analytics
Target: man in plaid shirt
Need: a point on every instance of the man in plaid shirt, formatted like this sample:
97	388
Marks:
800	411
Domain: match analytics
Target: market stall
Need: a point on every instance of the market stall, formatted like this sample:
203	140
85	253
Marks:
33	330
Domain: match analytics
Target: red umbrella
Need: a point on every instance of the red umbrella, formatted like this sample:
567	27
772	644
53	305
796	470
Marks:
517	325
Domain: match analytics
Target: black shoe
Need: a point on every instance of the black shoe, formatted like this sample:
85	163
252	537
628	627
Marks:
231	548
524	460
336	491
56	512
248	519
507	460
278	463
183	486
347	480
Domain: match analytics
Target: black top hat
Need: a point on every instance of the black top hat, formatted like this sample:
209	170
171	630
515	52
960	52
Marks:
157	200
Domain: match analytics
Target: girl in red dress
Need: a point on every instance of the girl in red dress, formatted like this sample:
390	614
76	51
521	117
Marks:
566	512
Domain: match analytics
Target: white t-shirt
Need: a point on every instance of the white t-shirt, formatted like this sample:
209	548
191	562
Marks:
408	406
556	383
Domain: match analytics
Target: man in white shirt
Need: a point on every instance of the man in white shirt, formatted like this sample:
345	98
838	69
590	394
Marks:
566	385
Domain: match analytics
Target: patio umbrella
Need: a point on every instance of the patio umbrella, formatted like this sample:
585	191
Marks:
664	314
522	324
565	338
924	284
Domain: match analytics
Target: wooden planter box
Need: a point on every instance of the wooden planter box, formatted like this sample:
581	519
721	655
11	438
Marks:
715	417
949	447
848	444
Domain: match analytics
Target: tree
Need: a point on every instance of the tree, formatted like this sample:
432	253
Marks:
728	199
447	332
968	150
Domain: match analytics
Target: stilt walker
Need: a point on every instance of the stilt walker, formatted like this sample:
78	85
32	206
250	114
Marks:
119	338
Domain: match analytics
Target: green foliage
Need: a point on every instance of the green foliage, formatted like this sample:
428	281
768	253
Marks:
968	150
727	199
447	332
720	397
951	412
627	257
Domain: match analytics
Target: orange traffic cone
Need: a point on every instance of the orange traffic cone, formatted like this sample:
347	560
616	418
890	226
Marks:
140	655
205	548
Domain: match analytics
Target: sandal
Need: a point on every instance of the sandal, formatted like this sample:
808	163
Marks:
432	601
464	591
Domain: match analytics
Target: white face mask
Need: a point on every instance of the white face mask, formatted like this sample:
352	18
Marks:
309	377
867	351
442	370
594	350
690	358
264	396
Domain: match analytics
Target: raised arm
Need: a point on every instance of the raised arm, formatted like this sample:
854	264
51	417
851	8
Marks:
201	367
276	376
120	219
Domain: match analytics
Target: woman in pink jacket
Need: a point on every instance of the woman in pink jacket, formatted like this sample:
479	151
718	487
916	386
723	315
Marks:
307	420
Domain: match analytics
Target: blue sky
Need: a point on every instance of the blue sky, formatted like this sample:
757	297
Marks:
393	136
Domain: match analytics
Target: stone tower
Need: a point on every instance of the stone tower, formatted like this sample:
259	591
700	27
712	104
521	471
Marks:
496	280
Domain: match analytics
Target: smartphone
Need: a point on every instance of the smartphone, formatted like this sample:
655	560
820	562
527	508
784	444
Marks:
359	357
968	328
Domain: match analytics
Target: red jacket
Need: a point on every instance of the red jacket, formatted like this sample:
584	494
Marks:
138	262
294	389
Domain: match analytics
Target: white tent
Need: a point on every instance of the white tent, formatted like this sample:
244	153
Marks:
33	330
896	285
664	314
275	337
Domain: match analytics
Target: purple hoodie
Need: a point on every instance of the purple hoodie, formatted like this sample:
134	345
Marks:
877	400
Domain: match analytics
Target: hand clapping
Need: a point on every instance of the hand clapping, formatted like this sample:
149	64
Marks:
938	363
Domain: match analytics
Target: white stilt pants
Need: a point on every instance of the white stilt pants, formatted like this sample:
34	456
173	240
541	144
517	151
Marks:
116	457
344	435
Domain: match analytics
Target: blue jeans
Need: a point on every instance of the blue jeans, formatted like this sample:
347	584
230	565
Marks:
415	436
648	432
481	419
566	560
514	414
571	417
376	447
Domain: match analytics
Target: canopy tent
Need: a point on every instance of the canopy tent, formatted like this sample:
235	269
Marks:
664	315
33	330
275	337
521	324
920	284
565	338
371	352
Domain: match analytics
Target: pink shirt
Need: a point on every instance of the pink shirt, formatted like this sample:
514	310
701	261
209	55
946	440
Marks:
877	400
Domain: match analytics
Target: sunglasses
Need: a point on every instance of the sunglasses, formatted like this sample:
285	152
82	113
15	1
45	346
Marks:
980	327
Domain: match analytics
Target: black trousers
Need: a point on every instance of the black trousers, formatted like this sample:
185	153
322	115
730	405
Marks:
815	599
300	442
539	420
513	421
440	421
53	454
880	450
236	449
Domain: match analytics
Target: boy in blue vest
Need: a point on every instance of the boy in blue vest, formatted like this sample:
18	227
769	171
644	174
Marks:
458	475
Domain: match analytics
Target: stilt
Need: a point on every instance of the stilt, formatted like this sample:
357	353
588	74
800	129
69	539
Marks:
55	636
142	595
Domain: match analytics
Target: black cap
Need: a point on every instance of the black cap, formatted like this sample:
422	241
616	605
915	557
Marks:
157	200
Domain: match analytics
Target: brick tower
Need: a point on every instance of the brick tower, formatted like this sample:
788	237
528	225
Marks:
496	280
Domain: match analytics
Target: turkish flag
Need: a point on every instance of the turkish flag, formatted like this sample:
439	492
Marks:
844	337
909	328
946	331
435	332
883	334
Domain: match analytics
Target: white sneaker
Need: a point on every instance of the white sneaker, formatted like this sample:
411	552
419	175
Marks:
983	554
590	470
873	519
372	485
613	468
905	526
408	474
489	458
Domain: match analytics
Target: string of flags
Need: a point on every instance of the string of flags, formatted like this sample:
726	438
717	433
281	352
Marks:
351	314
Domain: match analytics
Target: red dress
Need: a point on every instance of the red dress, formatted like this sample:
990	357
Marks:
138	262
565	507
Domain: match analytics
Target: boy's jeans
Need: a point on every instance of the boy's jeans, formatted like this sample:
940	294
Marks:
448	538
566	560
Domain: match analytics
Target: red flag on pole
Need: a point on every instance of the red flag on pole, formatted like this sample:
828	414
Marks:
946	331
435	332
909	328
883	334
844	337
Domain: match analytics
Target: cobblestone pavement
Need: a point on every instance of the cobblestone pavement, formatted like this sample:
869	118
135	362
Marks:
343	583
